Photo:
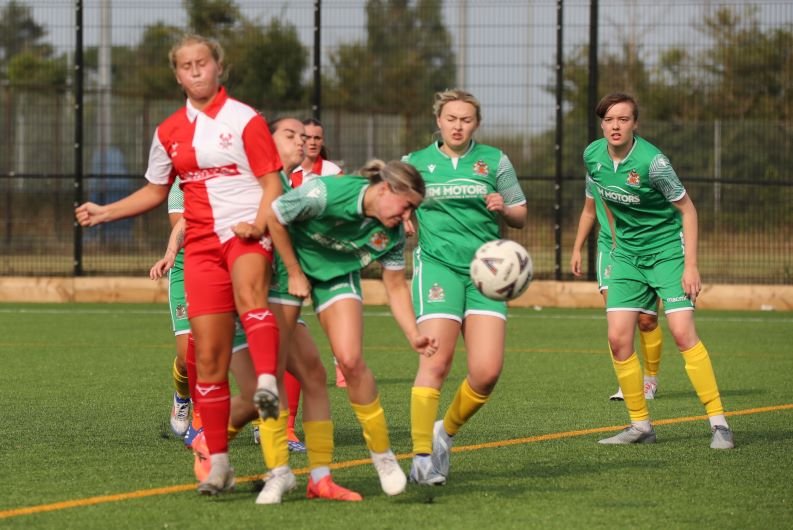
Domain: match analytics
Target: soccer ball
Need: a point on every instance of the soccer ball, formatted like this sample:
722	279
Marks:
501	269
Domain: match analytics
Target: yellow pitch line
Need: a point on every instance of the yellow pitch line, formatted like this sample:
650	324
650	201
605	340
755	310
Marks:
139	494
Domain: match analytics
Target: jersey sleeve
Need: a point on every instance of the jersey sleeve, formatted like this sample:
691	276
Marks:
160	168
394	259
664	179
588	193
306	202
260	147
507	183
175	198
329	168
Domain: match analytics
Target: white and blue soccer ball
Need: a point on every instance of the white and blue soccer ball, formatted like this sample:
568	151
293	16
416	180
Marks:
502	269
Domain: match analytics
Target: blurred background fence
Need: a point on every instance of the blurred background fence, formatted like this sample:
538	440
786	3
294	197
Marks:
79	103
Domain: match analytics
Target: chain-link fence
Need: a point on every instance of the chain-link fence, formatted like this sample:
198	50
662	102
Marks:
79	103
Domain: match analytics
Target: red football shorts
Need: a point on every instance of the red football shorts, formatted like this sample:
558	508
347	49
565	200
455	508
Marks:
207	272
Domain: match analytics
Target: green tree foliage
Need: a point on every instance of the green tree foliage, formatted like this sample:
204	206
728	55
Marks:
20	32
741	83
142	70
28	69
266	65
25	60
212	18
406	58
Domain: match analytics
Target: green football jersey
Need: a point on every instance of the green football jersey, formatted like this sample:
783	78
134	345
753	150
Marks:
330	232
453	219
604	234
175	198
639	192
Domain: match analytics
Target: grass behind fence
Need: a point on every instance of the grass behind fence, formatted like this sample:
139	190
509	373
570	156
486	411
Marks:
86	395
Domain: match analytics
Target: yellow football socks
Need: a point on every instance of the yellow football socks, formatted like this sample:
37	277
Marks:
372	420
319	442
700	373
232	432
629	376
464	405
180	382
424	402
651	342
272	437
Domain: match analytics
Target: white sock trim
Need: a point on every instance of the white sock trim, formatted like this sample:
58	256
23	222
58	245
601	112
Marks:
719	420
318	473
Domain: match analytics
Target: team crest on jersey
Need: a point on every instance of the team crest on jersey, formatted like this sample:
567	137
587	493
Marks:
225	140
436	293
181	311
481	169
431	167
378	240
633	179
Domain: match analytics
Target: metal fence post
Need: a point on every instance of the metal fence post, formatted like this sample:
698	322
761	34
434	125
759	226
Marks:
557	228
592	99
78	133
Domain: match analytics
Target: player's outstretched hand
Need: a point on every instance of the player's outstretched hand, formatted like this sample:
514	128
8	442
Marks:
424	345
90	214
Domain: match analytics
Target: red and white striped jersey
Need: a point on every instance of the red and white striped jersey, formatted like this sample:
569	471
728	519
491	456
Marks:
218	153
320	168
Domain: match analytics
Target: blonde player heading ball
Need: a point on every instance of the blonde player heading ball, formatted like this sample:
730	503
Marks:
470	187
338	225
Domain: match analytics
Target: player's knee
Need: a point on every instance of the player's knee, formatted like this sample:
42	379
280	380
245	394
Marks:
248	297
484	383
437	372
352	366
647	322
619	346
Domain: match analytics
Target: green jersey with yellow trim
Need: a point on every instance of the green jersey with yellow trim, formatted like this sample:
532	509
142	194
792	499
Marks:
639	191
453	219
330	232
